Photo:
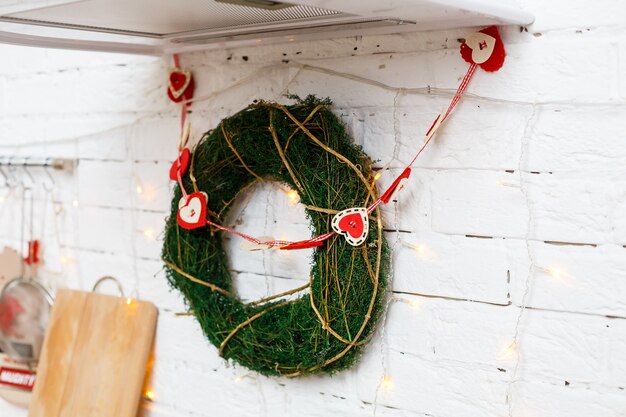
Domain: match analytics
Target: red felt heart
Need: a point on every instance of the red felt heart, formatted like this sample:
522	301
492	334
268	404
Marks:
180	85
192	211
184	158
496	60
353	223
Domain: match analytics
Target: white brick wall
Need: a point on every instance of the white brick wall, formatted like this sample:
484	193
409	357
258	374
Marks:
524	186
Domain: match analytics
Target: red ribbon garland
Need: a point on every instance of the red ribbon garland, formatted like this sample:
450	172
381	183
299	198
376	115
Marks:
384	198
183	120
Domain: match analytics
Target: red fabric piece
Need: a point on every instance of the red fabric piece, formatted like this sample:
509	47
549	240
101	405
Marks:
184	158
387	195
496	60
33	253
304	244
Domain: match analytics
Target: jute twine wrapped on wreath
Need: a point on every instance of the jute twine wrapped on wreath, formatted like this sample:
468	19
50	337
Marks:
306	147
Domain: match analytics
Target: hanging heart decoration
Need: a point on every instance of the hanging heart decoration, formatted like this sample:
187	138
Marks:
180	85
180	165
353	224
192	211
484	48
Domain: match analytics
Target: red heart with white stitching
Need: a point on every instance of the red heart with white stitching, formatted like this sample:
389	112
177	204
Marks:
353	224
180	85
192	211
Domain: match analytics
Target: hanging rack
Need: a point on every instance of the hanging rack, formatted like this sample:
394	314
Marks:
24	163
64	164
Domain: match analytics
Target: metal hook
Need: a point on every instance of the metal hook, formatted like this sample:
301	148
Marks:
25	168
12	180
109	278
6	178
46	166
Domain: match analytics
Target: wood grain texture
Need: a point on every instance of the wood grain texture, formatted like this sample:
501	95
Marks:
94	357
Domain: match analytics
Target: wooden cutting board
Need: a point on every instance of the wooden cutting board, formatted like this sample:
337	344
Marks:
94	356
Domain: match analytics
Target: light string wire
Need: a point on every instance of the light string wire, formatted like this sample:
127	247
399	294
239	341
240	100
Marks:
134	293
59	232
526	135
384	349
75	219
254	77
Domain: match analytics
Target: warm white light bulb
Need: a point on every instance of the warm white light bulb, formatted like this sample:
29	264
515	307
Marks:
75	203
139	189
555	273
377	176
293	196
149	234
509	349
387	383
150	395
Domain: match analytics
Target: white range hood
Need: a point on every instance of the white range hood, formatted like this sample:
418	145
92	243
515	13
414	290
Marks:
165	26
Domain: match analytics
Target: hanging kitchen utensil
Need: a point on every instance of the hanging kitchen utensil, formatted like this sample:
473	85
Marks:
16	378
24	311
24	308
94	356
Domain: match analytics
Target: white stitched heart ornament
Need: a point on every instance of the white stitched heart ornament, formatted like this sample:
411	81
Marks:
353	224
192	211
481	45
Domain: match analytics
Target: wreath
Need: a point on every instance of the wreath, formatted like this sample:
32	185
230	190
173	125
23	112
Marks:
304	146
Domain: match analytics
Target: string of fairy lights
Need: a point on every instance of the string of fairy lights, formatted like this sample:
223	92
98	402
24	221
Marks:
423	252
385	384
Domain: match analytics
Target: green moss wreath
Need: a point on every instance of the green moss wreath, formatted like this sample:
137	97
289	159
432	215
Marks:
306	147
